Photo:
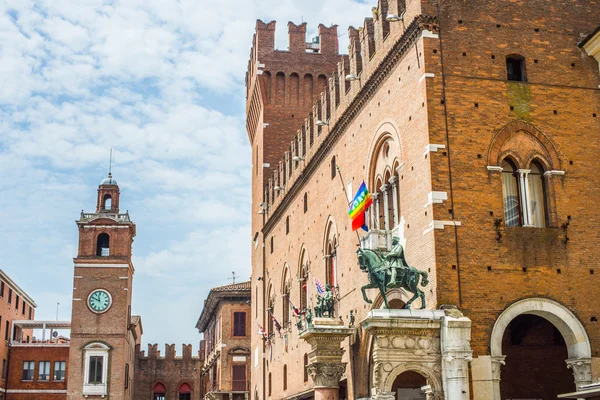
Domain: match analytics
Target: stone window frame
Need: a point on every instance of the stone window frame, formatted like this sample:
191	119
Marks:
537	147
91	350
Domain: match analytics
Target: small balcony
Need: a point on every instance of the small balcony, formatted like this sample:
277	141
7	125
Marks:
377	239
86	217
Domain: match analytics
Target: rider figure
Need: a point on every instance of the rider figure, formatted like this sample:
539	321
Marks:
396	261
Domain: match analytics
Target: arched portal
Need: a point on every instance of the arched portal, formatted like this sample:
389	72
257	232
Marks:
534	366
408	385
565	342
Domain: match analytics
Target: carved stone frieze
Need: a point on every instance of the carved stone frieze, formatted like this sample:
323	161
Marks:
326	375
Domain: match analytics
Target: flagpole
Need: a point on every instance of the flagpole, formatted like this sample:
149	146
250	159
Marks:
346	193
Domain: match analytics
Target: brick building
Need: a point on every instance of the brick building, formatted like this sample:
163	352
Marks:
15	304
474	125
38	367
225	349
102	358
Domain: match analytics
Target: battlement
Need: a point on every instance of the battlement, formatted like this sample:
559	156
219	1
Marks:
372	48
170	353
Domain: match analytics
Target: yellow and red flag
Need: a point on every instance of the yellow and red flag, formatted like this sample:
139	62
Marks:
362	200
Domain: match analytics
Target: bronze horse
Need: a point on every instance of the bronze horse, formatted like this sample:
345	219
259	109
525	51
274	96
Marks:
407	278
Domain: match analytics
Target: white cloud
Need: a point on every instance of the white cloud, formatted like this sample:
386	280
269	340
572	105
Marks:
162	84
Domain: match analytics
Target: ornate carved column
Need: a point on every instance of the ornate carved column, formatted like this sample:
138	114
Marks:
375	210
582	370
456	353
394	183
325	365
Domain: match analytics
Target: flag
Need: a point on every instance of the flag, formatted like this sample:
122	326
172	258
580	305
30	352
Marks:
261	332
362	200
294	309
276	323
319	286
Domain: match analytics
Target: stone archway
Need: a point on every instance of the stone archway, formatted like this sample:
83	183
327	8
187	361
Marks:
569	326
433	385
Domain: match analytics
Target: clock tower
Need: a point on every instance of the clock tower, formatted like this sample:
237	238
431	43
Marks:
101	357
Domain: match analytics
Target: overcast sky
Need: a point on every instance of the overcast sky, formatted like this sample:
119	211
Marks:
162	83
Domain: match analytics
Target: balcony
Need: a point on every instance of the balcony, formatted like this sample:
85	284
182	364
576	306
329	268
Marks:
377	239
86	217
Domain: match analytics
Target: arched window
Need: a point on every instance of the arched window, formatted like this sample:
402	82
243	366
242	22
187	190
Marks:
107	202
185	392
515	68
284	377
103	245
333	168
270	385
158	393
305	367
270	311
524	196
305	202
510	194
285	303
303	282
537	201
330	268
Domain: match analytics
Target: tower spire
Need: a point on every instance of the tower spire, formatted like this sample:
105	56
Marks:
110	164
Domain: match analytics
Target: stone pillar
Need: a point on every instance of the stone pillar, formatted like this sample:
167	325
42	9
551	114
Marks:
524	194
386	211
582	370
456	355
394	183
375	209
485	371
325	365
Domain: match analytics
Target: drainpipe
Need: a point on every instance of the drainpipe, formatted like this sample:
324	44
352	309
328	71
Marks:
439	17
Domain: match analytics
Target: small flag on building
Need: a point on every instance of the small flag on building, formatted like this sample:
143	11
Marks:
320	287
276	323
261	332
294	309
362	200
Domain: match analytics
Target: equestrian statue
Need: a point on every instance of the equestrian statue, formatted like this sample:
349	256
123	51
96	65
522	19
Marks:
388	271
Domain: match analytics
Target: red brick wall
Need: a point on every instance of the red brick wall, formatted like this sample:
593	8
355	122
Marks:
8	312
52	353
559	99
170	370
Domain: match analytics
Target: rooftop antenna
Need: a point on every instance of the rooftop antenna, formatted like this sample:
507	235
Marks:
110	164
233	276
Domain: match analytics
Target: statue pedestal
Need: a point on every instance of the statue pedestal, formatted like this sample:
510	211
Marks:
433	343
325	365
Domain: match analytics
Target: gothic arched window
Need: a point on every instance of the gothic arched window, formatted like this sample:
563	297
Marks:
185	392
158	393
510	194
536	194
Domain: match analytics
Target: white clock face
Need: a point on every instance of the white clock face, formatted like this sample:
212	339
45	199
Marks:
99	301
